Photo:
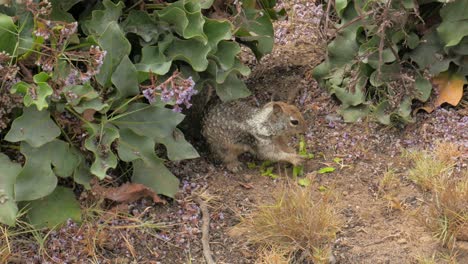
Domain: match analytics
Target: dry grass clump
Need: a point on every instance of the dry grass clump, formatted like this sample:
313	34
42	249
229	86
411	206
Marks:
272	256
431	170
448	201
389	182
296	224
449	212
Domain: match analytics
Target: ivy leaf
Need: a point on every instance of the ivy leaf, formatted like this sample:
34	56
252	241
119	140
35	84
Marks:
226	54
380	113
153	60
99	142
149	120
191	51
148	169
113	41
221	74
125	79
186	19
177	147
430	44
101	19
94	104
454	26
232	88
7	34
255	31
142	24
156	176
37	178
54	209
353	113
340	5
424	87
8	173
77	93
217	30
205	4
82	175
35	127
41	91
26	40
83	97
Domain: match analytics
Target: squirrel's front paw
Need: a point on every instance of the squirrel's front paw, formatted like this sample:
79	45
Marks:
234	166
297	160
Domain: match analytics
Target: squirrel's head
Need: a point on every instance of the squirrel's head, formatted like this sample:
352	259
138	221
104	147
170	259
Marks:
287	118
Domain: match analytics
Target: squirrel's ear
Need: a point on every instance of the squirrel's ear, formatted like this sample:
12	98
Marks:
277	109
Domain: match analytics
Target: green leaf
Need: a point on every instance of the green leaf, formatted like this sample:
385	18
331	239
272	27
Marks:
353	113
77	93
221	75
191	51
65	4
298	171
37	178
125	79
41	91
101	19
99	142
380	112
349	98
54	209
326	170
424	87
255	31
413	40
205	4
156	176
26	27
186	19
41	77
226	54
34	127
454	24
217	30
153	60
177	147
232	88
8	173
140	23
148	169
117	46
149	120
59	10
340	5
304	182
82	175
8	33
430	44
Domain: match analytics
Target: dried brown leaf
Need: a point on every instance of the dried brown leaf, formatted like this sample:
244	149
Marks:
126	193
450	90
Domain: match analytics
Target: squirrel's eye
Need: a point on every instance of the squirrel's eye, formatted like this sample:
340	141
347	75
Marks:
294	122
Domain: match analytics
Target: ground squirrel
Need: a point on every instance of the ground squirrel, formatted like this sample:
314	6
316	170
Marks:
234	128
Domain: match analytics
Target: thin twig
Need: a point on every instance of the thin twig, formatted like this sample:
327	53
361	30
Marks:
205	230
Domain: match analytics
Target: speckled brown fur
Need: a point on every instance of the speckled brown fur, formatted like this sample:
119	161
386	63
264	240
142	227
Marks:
236	127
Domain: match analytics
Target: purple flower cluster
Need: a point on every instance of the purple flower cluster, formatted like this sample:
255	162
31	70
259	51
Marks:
94	63
175	89
69	29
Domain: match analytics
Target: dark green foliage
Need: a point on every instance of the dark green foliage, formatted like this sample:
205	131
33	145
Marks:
385	52
109	88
